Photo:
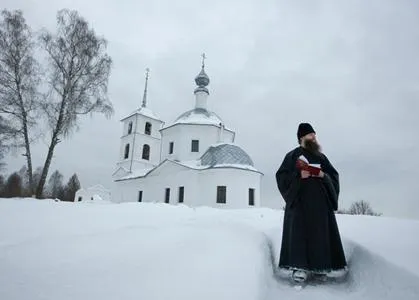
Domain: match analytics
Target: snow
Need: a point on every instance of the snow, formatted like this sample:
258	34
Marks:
98	187
196	164
58	250
145	111
237	166
200	118
136	173
193	164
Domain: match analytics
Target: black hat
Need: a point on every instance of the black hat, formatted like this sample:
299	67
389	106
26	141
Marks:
303	129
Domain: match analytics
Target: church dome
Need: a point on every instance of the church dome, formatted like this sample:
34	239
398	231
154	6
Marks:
202	79
199	116
225	154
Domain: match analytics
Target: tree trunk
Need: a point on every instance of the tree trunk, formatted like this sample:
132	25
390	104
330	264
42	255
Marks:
54	141
28	155
42	180
25	130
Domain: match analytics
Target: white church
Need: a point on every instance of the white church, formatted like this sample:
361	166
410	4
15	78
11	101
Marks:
192	161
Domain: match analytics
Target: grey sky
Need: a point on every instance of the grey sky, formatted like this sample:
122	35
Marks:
348	67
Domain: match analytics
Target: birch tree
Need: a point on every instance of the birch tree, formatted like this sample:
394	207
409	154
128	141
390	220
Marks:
78	74
19	79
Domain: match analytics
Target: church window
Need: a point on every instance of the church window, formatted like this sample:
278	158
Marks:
129	127
80	198
146	152
195	146
140	196
251	197
126	154
147	129
171	146
221	194
181	194
167	196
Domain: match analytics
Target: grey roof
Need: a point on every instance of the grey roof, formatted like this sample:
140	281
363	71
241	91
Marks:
225	154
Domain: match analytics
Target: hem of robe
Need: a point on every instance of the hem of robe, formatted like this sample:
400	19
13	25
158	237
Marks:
325	271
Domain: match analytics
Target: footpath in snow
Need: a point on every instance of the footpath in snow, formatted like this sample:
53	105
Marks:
56	250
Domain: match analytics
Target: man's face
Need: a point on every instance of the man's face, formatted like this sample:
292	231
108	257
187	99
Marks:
311	137
309	141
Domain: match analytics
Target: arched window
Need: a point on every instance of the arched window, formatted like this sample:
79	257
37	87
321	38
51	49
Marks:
146	152
129	127
147	129
126	154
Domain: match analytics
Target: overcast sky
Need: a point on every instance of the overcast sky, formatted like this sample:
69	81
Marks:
350	68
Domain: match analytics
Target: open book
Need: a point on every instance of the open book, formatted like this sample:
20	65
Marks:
303	164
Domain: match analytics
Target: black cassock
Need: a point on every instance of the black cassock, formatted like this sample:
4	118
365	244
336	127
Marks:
310	238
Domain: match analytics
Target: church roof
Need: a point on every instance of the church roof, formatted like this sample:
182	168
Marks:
145	111
199	116
225	154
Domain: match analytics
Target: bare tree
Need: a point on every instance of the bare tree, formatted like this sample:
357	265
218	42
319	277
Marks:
2	186
19	78
79	70
6	134
13	186
362	208
26	188
36	177
2	151
3	146
71	188
55	185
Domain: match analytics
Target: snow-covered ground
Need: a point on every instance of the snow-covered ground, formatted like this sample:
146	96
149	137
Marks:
55	250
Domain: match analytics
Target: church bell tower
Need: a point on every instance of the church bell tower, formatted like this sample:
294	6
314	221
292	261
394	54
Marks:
140	140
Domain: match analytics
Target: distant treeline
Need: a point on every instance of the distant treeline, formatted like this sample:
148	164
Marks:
359	208
17	185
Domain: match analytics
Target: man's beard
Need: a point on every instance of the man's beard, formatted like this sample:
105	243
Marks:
312	146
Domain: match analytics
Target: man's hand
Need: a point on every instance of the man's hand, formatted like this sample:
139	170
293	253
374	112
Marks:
305	174
321	174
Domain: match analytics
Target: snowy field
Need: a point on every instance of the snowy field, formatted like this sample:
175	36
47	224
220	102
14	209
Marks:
102	251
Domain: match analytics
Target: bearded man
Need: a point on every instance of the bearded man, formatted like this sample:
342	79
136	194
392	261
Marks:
309	184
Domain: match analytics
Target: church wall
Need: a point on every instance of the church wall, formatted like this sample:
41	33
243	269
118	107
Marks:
125	139
200	187
182	136
136	140
154	186
153	140
237	182
154	146
155	126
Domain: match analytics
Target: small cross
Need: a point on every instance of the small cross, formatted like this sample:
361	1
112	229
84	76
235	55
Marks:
146	73
203	59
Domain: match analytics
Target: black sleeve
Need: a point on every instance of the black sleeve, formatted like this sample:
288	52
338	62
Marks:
288	180
331	180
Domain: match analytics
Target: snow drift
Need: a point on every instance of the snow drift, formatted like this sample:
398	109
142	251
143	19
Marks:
56	250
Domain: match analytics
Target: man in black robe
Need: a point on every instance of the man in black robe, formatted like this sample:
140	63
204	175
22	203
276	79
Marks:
311	243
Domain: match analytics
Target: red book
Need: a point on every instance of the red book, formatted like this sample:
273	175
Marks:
303	164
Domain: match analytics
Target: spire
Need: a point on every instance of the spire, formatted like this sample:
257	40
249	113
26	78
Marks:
145	88
201	92
202	79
